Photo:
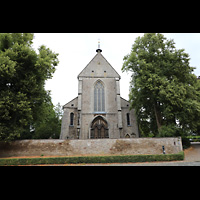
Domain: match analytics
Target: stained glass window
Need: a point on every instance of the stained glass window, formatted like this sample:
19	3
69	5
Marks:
99	97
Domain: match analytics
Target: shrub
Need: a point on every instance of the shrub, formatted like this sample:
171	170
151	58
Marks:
194	138
171	130
93	159
185	142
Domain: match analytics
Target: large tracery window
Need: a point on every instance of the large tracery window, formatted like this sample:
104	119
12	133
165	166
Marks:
99	97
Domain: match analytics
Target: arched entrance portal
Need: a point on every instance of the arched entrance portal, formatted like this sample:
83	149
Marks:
99	128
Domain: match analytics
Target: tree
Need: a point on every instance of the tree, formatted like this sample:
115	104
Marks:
50	125
23	73
164	91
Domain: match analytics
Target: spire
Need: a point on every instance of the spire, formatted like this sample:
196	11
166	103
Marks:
98	50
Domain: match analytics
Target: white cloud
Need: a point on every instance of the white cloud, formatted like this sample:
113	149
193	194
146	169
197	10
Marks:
76	50
191	43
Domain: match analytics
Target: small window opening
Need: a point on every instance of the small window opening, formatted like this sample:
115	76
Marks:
128	119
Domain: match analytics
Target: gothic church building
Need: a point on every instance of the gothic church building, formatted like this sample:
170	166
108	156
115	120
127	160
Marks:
98	111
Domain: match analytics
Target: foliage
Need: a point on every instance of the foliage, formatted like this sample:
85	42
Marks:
185	142
194	138
170	131
163	91
23	73
50	126
93	159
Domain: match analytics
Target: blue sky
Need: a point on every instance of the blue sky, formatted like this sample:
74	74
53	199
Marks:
76	50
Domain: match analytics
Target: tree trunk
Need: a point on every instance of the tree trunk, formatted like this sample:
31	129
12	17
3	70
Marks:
158	116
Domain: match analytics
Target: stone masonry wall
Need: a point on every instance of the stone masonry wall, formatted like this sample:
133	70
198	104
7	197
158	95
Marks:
55	147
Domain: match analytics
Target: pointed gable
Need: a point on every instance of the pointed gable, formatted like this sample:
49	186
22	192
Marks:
99	67
72	104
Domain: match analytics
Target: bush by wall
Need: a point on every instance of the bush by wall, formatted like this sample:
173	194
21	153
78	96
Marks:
194	138
185	142
93	159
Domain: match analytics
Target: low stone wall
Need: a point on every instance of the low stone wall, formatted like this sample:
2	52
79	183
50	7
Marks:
55	147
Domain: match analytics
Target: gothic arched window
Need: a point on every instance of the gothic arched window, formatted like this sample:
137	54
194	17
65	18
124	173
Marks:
99	97
71	119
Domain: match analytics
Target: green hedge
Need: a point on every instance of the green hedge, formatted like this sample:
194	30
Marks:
194	138
92	159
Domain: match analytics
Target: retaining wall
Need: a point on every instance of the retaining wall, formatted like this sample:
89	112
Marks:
56	147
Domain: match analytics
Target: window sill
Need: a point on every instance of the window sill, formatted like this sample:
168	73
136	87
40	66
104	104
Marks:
99	112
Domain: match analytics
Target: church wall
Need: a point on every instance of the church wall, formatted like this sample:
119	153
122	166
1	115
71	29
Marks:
84	113
87	112
88	95
65	125
69	131
87	106
98	67
113	125
111	119
73	128
132	129
86	121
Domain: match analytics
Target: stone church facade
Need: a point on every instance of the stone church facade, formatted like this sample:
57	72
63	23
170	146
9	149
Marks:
98	111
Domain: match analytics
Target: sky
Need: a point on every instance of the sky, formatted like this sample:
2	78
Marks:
76	50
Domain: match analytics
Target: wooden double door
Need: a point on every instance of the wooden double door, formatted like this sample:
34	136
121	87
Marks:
99	128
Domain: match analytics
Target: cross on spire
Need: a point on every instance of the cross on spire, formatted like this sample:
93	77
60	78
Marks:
98	50
98	43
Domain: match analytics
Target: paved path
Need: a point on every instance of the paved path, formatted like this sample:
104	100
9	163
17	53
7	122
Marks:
193	153
177	163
